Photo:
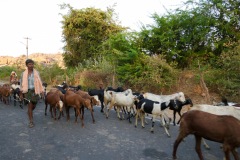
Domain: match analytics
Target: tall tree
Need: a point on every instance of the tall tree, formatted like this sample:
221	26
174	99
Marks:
84	31
224	18
200	32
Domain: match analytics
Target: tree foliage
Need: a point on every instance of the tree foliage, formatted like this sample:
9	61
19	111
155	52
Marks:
135	69
84	31
226	77
5	72
200	32
223	20
204	34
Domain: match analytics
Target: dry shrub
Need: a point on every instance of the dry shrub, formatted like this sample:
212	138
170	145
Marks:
93	79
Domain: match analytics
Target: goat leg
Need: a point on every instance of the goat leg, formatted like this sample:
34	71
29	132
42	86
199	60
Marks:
152	131
176	144
198	146
54	113
136	118
235	154
92	116
129	117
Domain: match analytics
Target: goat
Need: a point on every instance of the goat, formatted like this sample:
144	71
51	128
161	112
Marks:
72	99
62	87
163	98
122	99
93	100
16	94
75	88
44	84
5	92
100	94
156	109
55	102
118	89
89	102
225	102
108	95
229	110
107	99
236	105
179	108
223	129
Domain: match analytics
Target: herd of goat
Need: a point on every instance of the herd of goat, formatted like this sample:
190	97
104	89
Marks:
216	123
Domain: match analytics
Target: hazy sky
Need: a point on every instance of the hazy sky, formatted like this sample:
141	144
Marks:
40	21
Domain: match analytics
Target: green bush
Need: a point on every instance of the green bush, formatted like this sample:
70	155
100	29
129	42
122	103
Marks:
5	72
51	74
225	77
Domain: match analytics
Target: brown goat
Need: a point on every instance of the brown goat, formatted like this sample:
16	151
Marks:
74	100
55	102
57	92
89	100
5	92
87	96
236	105
219	128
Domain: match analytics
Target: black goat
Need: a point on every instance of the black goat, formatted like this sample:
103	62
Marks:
99	93
118	89
179	108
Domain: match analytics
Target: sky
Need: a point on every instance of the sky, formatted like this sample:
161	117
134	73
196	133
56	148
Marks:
37	23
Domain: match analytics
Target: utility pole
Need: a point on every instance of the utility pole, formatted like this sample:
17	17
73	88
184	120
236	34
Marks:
27	38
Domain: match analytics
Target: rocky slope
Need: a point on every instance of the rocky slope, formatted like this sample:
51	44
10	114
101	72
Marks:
41	58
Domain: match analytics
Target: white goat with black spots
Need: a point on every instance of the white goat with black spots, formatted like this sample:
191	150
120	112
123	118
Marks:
156	109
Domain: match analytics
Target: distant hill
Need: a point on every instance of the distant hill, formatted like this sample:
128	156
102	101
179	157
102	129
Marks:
40	58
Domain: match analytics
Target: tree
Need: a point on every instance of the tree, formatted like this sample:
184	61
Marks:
201	32
176	36
132	67
225	26
84	31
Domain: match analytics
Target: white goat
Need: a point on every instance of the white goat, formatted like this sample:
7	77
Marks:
163	98
122	99
226	110
108	97
97	99
15	86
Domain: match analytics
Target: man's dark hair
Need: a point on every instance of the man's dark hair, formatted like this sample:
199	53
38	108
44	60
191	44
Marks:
29	61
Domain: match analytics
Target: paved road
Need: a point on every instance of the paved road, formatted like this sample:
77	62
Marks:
107	139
